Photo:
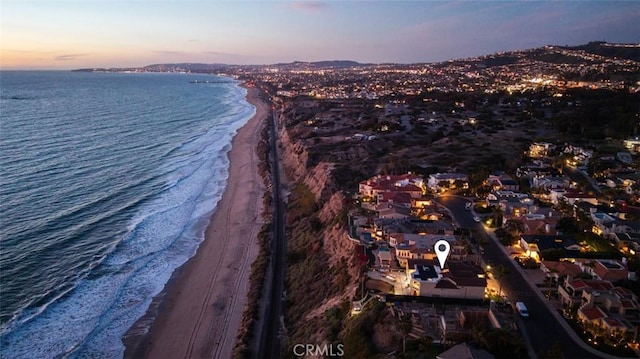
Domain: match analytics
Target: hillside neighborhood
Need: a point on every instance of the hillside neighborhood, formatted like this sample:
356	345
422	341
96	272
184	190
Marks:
526	163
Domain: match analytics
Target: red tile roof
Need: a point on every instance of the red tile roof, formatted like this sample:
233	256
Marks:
593	313
613	322
563	268
611	274
595	284
578	195
626	303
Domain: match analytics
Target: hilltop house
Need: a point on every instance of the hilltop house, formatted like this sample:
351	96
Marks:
540	149
512	203
443	181
377	186
549	181
420	246
502	182
461	280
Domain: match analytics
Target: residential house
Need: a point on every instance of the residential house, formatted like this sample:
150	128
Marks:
383	227
502	182
540	223
461	280
604	269
407	183
425	209
556	195
540	149
436	180
421	246
562	269
572	197
384	257
512	204
581	156
536	168
399	198
614	310
535	245
632	144
549	181
591	314
393	211
571	290
627	242
602	223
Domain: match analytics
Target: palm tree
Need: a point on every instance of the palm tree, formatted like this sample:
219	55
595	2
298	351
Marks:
499	273
550	277
406	325
497	216
515	227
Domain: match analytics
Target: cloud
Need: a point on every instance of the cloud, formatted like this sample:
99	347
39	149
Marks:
68	57
310	6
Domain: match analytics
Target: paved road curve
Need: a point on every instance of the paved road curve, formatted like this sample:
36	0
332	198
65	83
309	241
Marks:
541	327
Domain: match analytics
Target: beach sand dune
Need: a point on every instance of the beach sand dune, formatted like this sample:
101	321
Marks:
202	311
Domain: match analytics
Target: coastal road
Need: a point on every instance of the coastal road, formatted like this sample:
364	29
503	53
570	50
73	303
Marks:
541	328
270	346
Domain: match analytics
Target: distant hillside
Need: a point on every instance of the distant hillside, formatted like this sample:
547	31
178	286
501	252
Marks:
549	54
621	51
317	65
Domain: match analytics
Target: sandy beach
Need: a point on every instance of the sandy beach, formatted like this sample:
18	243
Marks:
202	310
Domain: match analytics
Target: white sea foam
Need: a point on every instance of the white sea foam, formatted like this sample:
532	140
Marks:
92	319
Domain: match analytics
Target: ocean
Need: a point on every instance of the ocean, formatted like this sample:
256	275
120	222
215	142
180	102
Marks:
107	183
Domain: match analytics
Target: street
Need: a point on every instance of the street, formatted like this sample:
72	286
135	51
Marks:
541	328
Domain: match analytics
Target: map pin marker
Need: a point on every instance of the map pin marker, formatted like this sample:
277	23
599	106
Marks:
442	249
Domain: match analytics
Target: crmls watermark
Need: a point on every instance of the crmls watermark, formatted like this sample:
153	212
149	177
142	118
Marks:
318	351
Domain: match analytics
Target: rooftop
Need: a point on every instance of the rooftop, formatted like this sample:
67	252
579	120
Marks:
593	313
426	272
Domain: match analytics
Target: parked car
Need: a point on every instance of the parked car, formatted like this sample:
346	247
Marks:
522	309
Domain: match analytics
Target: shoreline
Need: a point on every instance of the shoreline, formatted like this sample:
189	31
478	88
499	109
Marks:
199	311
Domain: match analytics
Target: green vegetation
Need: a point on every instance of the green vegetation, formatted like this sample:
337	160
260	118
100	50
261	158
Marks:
501	343
251	314
335	317
307	282
596	337
358	333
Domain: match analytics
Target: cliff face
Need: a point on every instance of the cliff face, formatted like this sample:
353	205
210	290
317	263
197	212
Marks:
295	156
319	180
332	252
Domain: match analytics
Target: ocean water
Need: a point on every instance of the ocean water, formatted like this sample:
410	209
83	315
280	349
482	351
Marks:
107	182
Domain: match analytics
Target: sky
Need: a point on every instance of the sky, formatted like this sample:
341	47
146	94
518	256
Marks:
49	34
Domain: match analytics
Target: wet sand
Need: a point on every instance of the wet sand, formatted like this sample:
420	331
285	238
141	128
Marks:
200	312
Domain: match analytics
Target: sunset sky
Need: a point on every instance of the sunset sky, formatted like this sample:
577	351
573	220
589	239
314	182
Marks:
50	34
